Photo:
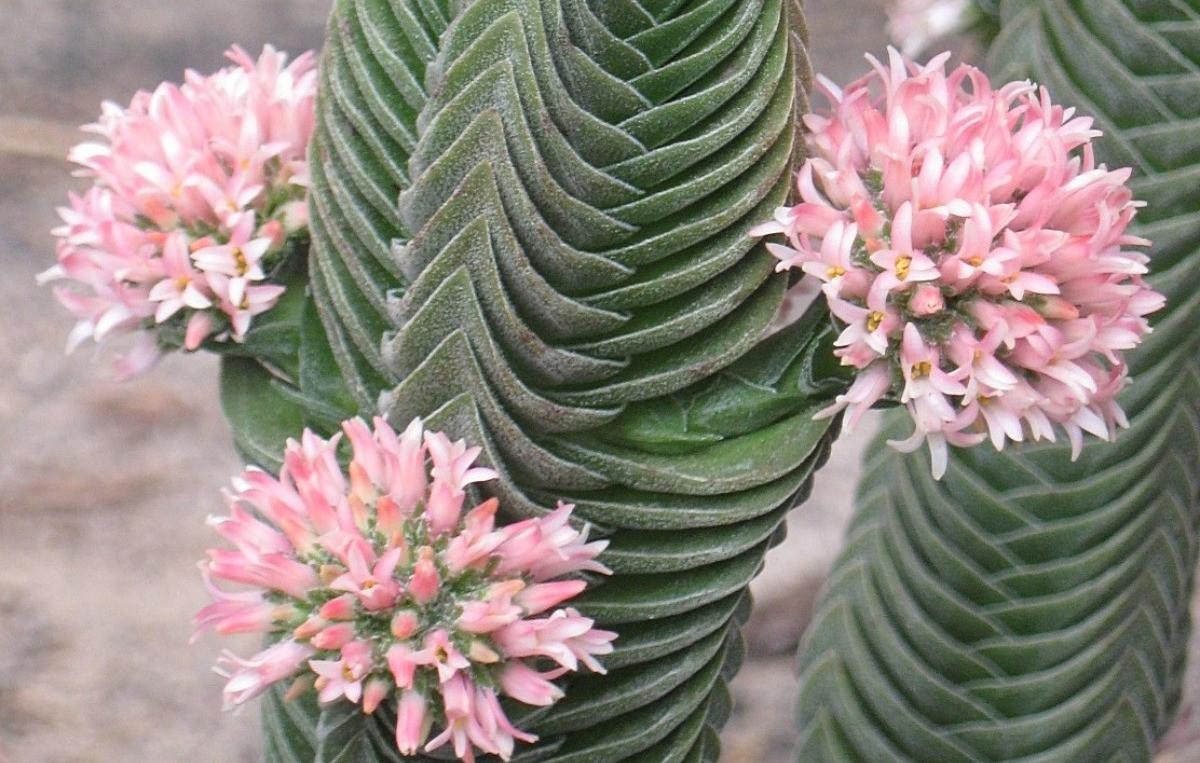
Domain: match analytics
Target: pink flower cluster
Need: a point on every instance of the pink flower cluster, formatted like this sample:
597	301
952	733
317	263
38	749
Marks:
914	24
972	251
196	190
377	586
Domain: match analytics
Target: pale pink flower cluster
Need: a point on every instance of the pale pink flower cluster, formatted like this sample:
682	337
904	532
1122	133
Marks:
197	188
375	586
973	254
915	24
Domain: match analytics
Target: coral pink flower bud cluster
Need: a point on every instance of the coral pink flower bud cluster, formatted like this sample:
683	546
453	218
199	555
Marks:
375	585
973	253
197	189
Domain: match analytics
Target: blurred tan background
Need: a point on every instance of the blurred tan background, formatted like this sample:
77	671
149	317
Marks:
104	486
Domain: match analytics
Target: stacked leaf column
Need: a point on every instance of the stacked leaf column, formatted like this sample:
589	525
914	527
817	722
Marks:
529	225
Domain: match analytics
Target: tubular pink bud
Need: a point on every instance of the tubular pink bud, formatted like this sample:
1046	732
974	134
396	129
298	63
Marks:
412	722
425	580
333	637
926	300
341	608
405	624
375	691
389	519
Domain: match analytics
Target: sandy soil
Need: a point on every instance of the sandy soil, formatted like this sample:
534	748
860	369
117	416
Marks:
104	486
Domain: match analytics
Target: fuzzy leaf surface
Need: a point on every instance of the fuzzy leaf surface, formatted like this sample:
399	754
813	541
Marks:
529	225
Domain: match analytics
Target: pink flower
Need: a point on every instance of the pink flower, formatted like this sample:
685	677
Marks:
277	572
451	472
542	596
387	464
446	659
549	547
527	685
378	587
197	188
374	585
241	299
343	677
498	609
565	637
914	24
458	701
183	285
869	330
403	662
238	612
240	257
972	253
867	389
475	719
252	677
478	541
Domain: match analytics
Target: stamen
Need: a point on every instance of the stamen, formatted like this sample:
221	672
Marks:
240	262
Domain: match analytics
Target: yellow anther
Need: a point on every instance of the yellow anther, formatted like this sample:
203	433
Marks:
874	318
902	266
239	261
921	369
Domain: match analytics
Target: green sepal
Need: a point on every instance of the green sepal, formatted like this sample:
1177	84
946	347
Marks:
345	734
289	726
261	415
322	390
